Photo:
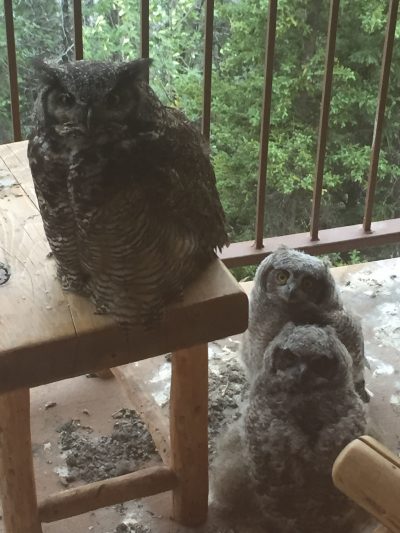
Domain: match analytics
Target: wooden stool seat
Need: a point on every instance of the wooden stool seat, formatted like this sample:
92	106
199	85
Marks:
48	335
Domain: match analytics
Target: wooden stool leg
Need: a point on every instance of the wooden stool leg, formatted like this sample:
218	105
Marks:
17	484
189	434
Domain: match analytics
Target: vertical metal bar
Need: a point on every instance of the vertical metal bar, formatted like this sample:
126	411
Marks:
12	69
380	112
265	122
324	117
207	73
145	30
78	29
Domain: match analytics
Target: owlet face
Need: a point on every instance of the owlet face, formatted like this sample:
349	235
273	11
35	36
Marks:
304	372
294	286
90	97
307	358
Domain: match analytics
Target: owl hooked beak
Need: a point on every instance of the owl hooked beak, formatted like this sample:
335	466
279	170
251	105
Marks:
301	375
291	292
301	371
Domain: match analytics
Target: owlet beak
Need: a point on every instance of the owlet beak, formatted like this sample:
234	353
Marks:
89	119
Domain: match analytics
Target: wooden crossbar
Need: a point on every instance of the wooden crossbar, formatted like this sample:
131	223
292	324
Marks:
79	500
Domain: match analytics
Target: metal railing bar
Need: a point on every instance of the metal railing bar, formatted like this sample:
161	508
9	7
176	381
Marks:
265	123
145	31
342	239
78	25
12	69
324	117
380	112
207	73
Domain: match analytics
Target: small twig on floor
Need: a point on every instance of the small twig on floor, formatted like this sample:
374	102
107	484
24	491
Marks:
225	389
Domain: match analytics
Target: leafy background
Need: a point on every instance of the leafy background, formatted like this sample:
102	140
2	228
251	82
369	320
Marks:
112	31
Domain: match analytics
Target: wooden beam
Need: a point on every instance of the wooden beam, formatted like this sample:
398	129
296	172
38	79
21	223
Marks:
89	497
12	69
342	239
265	122
324	118
189	434
146	407
17	483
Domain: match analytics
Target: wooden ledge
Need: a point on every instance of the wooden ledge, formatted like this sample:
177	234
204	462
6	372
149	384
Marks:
47	335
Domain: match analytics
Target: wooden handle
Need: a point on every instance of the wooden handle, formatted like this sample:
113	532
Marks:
369	474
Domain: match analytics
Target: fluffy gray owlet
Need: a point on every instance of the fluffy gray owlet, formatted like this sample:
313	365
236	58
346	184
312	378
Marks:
297	287
125	187
277	459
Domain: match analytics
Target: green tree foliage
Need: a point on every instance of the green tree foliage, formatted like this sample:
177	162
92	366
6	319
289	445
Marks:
112	31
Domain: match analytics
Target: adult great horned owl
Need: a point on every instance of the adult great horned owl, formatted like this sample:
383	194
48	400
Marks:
125	187
297	287
277	459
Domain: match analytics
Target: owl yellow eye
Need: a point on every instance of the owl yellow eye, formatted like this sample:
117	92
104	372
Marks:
307	284
66	99
282	276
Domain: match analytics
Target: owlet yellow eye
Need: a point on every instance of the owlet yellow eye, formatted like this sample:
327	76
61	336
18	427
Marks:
307	284
282	276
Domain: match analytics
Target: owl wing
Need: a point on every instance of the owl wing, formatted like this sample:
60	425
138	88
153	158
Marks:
49	172
171	167
189	189
349	331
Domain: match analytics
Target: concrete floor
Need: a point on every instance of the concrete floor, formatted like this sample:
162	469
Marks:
371	290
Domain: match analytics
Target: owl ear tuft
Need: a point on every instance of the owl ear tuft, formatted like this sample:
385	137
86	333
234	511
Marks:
326	261
47	74
136	70
263	270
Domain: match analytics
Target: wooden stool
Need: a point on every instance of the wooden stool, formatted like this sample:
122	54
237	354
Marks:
48	335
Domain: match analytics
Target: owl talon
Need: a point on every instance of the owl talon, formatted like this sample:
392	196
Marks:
69	285
101	309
